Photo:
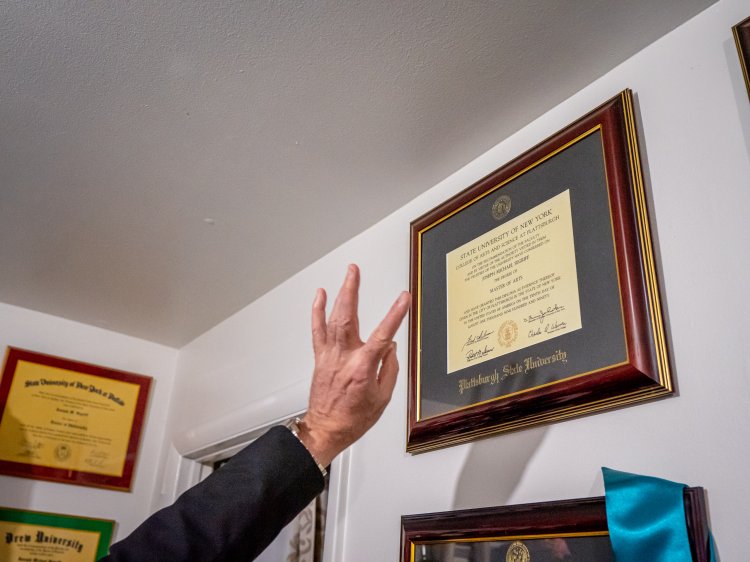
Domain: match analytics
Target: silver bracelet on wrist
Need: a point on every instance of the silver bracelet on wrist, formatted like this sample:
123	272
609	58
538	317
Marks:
293	426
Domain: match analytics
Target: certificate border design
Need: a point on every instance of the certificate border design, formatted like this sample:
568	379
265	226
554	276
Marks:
78	477
741	33
585	517
645	374
104	527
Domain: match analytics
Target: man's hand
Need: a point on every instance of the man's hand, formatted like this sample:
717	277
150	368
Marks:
353	380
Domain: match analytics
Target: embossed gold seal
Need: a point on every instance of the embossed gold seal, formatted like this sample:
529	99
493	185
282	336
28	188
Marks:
518	553
507	333
62	451
501	207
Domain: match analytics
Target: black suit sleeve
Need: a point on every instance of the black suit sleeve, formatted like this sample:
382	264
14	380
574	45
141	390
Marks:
233	514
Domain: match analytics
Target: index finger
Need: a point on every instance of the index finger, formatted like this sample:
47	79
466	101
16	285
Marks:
383	334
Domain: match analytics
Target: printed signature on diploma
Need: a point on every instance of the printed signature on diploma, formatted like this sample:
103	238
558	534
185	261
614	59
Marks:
473	354
556	309
98	459
548	329
483	335
30	449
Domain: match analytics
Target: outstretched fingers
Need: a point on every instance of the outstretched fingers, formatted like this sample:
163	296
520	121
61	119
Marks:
319	329
343	324
382	336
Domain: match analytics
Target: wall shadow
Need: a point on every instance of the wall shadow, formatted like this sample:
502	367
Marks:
494	467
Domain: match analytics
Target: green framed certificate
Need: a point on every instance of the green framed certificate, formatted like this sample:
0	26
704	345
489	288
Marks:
50	537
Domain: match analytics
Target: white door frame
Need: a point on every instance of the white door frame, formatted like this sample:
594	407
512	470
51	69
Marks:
193	452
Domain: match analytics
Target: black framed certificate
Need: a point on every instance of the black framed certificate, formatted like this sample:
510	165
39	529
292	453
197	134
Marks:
539	532
535	291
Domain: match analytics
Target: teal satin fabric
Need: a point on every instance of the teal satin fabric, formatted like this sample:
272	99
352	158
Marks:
646	518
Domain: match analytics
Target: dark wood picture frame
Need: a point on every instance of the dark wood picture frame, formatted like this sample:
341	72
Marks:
122	482
638	368
579	518
741	33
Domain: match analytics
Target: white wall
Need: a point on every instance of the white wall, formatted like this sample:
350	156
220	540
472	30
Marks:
696	141
55	336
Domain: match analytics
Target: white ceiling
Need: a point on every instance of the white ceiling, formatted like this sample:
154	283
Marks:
164	164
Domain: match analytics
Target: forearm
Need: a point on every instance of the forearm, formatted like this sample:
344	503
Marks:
236	512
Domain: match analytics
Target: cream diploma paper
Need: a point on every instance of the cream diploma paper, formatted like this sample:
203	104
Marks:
514	286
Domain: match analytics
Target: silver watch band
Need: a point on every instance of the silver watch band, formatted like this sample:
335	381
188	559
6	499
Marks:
292	425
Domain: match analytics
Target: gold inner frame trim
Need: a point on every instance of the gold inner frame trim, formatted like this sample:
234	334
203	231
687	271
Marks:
541	536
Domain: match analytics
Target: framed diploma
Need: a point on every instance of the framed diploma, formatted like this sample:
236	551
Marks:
742	40
70	422
49	537
534	290
539	532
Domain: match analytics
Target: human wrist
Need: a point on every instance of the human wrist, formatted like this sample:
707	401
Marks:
317	441
320	454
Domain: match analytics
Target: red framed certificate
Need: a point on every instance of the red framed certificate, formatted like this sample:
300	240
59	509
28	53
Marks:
70	422
539	532
535	293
